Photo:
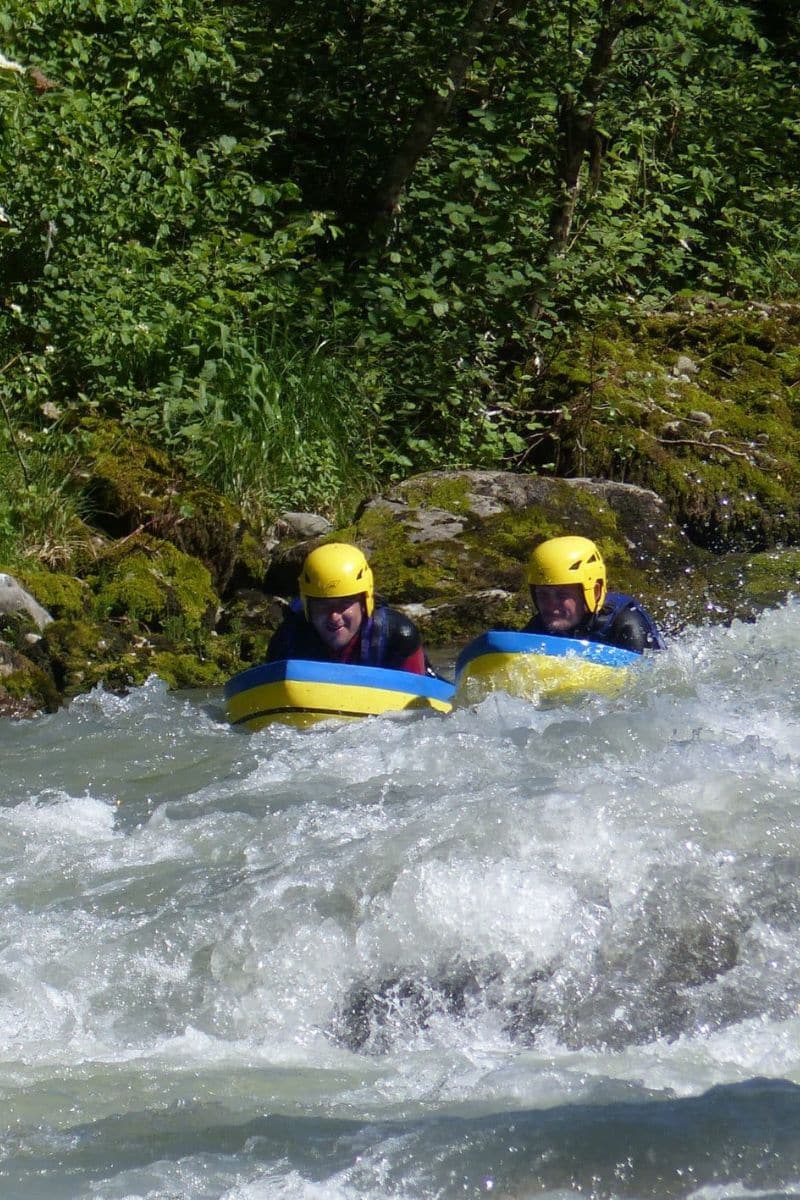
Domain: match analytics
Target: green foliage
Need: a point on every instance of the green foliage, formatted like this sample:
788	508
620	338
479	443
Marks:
191	244
272	425
40	508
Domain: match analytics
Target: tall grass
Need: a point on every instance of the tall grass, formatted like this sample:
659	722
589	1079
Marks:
276	426
41	510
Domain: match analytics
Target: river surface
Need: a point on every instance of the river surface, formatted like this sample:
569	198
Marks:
509	952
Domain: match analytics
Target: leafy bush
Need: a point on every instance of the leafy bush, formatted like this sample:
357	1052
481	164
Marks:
196	240
273	425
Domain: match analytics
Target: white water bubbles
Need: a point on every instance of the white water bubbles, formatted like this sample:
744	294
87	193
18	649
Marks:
502	906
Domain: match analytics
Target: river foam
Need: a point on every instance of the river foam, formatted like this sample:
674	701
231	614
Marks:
509	950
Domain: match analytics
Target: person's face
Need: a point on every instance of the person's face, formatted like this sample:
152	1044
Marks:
561	606
337	619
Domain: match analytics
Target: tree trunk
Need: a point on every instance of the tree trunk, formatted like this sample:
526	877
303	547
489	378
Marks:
427	120
576	132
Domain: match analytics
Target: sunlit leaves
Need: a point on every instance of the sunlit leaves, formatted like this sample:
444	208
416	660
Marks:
201	167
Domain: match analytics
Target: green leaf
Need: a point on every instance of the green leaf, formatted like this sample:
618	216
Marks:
514	154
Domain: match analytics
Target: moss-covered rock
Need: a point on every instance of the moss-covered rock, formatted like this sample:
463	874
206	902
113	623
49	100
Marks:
16	598
700	405
248	620
62	595
19	630
188	670
146	608
744	585
452	623
25	688
767	577
154	584
132	486
467	567
83	652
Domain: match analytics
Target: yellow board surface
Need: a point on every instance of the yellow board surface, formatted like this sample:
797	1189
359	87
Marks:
300	693
538	667
535	675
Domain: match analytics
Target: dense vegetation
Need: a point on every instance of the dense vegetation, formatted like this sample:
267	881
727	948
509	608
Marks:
309	247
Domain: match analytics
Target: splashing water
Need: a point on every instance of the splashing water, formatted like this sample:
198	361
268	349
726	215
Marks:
510	951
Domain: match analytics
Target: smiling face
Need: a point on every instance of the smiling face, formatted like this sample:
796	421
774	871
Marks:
561	606
337	619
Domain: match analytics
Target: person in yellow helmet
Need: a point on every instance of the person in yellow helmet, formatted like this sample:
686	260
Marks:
337	617
567	581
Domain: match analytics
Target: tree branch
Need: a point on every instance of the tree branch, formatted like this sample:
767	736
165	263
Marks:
427	120
576	130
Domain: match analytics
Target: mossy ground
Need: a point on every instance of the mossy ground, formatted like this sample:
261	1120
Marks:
701	405
720	443
132	486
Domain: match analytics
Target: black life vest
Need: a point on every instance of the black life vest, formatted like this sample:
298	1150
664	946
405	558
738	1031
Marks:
601	627
622	621
386	639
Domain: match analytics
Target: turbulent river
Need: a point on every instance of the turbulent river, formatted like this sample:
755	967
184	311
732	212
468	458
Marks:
511	951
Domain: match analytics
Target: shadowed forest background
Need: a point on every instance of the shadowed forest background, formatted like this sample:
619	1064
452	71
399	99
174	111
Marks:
307	249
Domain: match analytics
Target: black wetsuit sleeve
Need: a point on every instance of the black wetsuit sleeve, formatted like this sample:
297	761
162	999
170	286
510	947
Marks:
280	643
402	637
631	630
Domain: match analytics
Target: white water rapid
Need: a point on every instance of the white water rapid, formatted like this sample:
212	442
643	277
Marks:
508	951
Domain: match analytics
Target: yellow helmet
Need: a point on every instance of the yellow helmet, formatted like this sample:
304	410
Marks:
336	569
566	560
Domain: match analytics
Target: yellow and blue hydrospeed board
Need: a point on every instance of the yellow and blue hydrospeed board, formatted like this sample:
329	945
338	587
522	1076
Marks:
533	665
301	692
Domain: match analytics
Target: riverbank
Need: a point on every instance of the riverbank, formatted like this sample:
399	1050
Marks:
166	577
448	547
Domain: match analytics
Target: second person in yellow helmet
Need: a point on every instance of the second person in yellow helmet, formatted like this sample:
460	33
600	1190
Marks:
338	619
567	580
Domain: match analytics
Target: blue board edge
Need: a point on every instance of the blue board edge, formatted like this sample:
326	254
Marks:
345	674
497	641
